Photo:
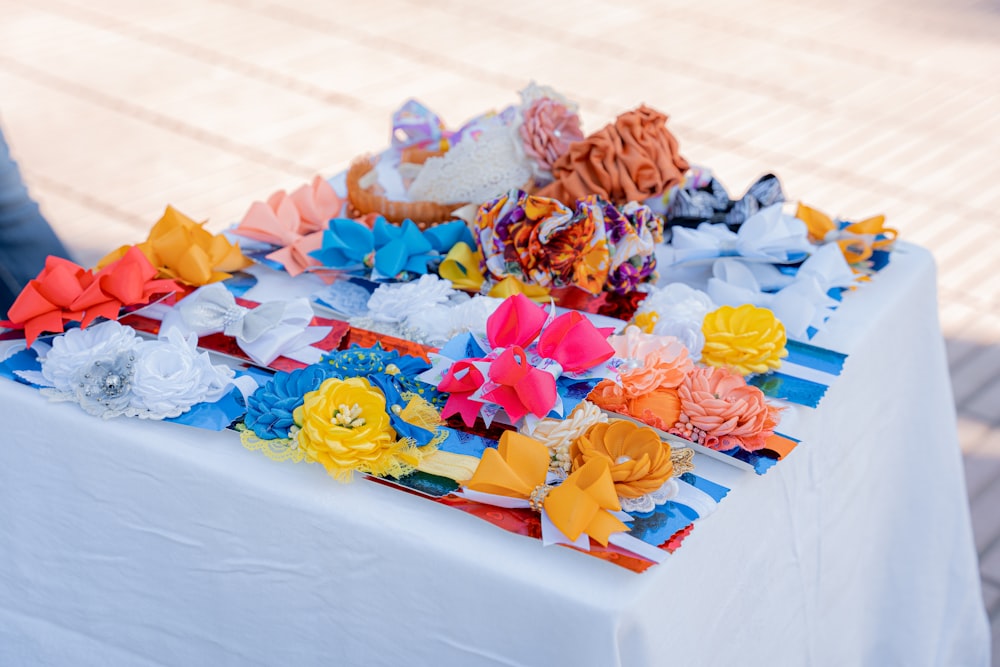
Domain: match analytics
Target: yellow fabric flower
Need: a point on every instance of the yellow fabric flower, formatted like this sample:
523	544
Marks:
182	249
646	321
640	461
344	426
746	339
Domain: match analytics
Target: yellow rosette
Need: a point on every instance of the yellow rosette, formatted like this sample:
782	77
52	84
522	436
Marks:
746	339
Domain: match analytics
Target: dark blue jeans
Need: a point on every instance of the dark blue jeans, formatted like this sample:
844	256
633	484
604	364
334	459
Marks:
25	236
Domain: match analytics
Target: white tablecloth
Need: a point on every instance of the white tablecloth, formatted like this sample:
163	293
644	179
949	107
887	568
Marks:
134	543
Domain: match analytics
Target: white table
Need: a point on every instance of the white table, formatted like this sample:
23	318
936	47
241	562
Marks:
134	543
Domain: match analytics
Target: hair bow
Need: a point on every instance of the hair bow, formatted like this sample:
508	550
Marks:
528	352
65	292
277	328
767	236
514	475
803	303
857	240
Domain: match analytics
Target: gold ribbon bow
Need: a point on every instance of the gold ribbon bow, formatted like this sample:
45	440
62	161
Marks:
581	504
461	267
857	240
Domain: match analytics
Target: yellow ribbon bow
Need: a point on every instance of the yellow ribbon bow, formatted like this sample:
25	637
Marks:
510	286
184	250
461	267
580	505
857	240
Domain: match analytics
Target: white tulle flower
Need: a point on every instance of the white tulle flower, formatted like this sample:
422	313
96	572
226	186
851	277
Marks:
680	311
398	301
171	376
438	325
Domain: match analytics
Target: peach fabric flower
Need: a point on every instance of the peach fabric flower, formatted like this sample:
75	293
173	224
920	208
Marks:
724	411
633	159
651	361
609	395
639	460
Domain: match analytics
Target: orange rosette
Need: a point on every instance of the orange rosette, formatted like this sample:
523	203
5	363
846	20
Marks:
633	159
639	460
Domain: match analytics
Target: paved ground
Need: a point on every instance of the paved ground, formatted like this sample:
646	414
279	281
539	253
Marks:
116	108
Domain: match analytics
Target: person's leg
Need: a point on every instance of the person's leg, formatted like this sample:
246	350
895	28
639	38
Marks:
25	236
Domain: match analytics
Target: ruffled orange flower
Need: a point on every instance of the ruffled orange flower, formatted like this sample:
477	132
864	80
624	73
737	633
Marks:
725	411
633	159
609	395
660	408
639	460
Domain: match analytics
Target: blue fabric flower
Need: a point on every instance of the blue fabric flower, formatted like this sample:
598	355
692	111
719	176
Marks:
269	409
366	362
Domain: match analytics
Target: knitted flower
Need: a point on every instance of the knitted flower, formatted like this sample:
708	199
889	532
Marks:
344	426
639	460
746	339
721	411
270	407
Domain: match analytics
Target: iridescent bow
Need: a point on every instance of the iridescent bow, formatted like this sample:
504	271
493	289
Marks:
857	240
528	352
277	328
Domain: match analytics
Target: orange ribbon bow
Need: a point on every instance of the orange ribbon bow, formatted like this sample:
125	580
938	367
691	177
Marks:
857	240
582	504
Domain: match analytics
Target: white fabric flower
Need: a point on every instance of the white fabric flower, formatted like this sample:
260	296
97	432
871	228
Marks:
171	376
80	348
396	302
680	311
439	324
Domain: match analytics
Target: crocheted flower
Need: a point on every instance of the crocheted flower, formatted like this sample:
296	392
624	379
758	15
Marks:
171	375
345	427
746	339
721	411
548	129
639	460
270	407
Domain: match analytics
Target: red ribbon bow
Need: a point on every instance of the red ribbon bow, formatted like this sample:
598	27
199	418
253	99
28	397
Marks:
570	340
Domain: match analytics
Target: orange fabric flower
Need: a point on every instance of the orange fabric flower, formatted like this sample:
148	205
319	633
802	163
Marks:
729	412
639	460
660	408
633	159
651	362
608	395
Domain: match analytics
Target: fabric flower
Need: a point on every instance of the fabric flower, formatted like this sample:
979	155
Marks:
635	158
676	310
75	352
609	395
439	324
171	375
746	339
559	434
344	426
270	407
721	411
660	408
651	361
549	127
395	302
639	460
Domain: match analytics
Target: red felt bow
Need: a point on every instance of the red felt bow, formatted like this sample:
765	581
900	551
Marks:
570	340
65	292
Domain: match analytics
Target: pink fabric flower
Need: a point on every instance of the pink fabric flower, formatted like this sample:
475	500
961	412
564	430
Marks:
729	412
651	362
549	128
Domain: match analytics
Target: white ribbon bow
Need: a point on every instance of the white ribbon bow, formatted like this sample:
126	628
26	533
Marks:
269	331
803	303
767	236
